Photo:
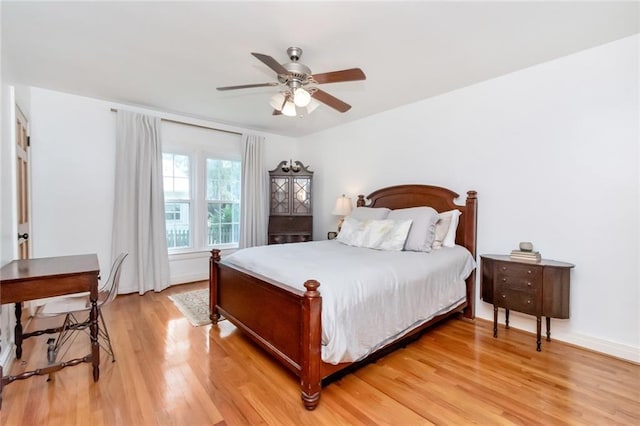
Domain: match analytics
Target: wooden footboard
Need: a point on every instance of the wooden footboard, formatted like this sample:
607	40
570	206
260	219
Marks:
284	321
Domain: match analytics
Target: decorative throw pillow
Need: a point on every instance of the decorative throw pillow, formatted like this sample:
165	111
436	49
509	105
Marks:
423	227
395	234
352	232
375	234
368	213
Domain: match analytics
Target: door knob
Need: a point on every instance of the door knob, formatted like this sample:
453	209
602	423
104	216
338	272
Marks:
25	236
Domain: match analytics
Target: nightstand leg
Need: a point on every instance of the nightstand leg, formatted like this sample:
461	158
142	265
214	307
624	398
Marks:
495	321
506	318
538	333
548	329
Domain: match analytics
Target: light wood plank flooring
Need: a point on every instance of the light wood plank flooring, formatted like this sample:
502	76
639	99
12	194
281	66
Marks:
171	373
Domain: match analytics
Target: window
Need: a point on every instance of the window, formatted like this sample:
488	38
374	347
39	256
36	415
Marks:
223	201
177	199
202	170
219	223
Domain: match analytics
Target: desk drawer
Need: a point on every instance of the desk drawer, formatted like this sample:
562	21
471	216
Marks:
289	238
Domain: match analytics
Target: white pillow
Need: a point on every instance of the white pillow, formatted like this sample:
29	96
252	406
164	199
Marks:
366	213
423	228
382	234
442	227
450	238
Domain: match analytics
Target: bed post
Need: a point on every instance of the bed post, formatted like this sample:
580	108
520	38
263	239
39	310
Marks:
470	232
213	285
360	202
310	380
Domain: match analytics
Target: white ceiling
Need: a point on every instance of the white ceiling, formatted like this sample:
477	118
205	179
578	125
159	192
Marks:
170	56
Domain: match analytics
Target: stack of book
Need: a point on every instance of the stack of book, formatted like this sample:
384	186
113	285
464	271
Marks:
531	256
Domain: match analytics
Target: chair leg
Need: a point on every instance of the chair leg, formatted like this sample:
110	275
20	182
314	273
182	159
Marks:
65	332
54	345
105	334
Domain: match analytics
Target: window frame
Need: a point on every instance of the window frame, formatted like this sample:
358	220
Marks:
205	201
190	202
198	206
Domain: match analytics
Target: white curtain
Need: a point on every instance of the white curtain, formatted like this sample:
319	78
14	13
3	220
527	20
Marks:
253	205
139	219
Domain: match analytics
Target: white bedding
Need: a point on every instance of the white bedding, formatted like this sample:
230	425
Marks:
369	297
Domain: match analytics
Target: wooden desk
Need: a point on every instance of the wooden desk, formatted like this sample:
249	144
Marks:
29	279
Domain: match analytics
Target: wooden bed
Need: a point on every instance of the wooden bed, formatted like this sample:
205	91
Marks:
287	323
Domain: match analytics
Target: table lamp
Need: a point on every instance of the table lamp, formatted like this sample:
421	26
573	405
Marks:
342	209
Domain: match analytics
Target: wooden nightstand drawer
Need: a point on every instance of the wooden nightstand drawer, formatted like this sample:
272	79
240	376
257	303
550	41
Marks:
526	283
518	272
517	300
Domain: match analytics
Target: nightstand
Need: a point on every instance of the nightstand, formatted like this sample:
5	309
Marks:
540	289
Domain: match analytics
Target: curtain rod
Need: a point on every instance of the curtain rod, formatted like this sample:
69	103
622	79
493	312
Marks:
193	125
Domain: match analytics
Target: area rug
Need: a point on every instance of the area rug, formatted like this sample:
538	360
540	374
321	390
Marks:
194	305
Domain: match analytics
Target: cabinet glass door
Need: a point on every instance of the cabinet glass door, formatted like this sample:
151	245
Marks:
301	196
279	195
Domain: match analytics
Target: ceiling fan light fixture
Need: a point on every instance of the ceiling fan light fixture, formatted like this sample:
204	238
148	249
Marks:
289	109
301	97
293	77
277	101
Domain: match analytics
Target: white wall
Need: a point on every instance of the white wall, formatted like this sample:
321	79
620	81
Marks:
8	227
553	153
73	166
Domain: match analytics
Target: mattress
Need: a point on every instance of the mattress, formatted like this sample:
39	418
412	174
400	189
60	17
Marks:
369	297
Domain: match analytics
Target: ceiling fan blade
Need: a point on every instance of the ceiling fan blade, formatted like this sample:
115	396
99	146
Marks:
330	100
271	63
352	74
276	112
247	86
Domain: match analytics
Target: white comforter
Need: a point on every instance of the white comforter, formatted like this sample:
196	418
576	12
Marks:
369	297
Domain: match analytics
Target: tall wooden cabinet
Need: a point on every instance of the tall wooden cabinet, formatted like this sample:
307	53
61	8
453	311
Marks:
290	206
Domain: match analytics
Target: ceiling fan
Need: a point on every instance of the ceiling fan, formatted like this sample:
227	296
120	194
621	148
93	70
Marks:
298	84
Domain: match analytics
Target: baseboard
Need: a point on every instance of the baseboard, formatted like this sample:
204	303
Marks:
614	349
188	278
560	333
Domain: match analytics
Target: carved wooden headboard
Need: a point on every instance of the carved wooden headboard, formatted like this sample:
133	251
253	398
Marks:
441	199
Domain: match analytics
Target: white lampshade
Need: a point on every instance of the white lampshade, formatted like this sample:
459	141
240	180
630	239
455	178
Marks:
301	97
289	109
342	207
277	100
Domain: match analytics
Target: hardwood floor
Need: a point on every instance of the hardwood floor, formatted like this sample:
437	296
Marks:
171	373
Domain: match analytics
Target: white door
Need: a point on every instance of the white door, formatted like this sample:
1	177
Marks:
22	182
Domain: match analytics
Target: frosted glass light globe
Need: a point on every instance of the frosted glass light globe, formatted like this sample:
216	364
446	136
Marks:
289	109
277	100
301	97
